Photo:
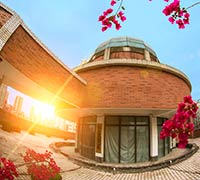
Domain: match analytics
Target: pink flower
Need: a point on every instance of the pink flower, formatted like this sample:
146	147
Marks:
109	11
181	124
102	17
113	2
117	26
174	6
171	19
123	18
120	13
188	99
187	15
180	24
186	21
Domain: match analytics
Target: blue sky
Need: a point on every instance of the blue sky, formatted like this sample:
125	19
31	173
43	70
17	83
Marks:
71	31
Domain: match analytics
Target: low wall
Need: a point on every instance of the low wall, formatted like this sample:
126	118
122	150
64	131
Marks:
10	122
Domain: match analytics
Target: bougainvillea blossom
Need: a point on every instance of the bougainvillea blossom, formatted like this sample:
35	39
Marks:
181	125
111	17
7	169
177	14
41	166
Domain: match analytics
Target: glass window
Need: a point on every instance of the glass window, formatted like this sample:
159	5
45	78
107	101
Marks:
112	144
87	136
142	140
126	141
163	144
127	145
166	145
112	120
160	144
88	141
143	120
129	120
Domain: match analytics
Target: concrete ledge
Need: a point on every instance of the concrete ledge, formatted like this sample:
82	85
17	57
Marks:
128	168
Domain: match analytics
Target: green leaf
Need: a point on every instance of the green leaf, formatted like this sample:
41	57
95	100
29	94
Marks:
123	7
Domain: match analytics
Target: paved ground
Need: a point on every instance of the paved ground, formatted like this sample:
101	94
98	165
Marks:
12	145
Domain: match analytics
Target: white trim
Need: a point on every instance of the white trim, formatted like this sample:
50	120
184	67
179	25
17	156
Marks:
7	8
100	120
8	29
153	137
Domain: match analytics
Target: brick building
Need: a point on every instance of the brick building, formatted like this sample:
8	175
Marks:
119	98
128	96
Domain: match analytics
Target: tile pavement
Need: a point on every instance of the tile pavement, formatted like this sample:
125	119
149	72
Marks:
12	145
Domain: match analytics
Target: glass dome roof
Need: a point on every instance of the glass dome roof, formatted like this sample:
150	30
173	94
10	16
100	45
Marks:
124	42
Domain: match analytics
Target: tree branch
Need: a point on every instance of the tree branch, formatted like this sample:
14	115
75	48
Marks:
119	7
193	5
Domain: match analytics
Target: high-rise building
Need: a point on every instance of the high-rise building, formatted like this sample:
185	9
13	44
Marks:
3	95
17	107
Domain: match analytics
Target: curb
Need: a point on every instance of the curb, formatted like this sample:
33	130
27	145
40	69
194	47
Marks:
127	168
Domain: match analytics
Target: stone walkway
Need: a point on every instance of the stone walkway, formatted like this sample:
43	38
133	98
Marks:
12	145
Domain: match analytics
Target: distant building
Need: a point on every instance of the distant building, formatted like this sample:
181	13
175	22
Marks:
3	95
17	107
32	115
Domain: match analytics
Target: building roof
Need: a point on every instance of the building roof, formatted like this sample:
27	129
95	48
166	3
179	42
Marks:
124	42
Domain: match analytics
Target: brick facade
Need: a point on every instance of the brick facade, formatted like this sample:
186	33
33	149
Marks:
132	87
4	16
27	56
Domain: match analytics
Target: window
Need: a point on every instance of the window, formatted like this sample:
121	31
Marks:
163	144
126	139
87	136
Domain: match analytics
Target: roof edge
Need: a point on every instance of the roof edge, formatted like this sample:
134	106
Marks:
43	45
134	62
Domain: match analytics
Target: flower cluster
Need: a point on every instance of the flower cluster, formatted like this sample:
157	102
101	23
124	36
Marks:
181	124
108	18
177	14
41	166
7	169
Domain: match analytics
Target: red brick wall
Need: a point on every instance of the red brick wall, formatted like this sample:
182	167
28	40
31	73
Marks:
26	55
4	16
126	55
99	58
132	87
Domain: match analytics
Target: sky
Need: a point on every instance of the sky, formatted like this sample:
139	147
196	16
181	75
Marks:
70	29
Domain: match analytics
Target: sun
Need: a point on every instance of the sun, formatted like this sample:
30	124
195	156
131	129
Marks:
46	111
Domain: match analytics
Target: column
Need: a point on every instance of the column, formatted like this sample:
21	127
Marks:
99	139
106	54
153	138
147	55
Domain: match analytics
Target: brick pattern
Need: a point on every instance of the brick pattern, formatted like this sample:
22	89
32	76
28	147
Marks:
126	55
26	55
132	87
99	58
8	28
4	16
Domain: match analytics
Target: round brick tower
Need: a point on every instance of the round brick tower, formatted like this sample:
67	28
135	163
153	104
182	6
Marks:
129	94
